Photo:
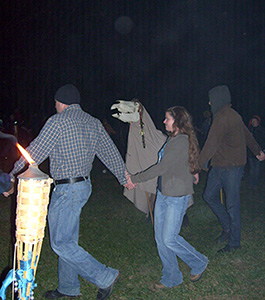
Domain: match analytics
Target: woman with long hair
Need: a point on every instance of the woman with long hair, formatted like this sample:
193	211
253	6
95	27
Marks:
177	169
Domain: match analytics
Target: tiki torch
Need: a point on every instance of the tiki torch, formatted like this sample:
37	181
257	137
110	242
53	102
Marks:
31	212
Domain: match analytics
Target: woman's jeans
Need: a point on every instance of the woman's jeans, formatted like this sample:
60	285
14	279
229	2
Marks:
64	216
169	213
229	217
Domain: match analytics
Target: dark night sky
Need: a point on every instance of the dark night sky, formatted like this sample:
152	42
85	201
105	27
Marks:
162	52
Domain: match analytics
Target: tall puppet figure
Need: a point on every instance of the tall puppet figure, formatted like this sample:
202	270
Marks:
144	142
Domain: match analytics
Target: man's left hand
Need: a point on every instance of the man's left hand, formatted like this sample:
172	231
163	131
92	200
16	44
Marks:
261	156
11	191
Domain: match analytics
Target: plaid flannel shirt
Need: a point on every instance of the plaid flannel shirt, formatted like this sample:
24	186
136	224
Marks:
72	139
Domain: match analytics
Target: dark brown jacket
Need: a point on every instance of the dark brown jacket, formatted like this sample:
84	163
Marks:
227	140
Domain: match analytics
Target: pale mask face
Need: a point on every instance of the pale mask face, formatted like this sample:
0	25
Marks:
128	111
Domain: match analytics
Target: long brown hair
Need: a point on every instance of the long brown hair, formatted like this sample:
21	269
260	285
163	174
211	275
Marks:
183	123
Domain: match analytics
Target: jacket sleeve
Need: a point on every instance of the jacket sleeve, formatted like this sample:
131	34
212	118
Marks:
251	142
215	135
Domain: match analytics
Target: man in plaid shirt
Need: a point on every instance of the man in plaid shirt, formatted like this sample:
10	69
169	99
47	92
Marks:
71	139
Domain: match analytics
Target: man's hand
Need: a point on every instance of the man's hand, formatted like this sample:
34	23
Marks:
261	156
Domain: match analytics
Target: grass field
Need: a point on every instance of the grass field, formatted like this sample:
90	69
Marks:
118	235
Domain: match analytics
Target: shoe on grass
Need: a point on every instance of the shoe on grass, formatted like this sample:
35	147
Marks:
228	248
105	293
56	295
159	286
194	278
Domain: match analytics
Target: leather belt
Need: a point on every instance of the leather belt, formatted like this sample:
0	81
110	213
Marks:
70	180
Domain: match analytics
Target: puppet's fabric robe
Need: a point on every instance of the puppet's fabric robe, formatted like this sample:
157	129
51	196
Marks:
139	158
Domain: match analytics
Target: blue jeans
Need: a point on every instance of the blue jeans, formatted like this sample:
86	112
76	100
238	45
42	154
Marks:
229	217
64	216
169	213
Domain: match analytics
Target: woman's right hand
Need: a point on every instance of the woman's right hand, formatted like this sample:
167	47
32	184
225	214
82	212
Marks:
196	176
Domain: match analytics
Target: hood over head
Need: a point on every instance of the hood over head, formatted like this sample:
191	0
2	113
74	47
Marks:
219	96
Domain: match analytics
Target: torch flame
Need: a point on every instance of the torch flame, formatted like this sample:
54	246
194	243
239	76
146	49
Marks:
25	154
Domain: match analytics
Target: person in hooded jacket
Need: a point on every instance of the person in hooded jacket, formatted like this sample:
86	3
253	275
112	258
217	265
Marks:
225	148
254	164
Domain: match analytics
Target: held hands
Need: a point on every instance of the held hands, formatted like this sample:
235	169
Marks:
129	185
261	156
